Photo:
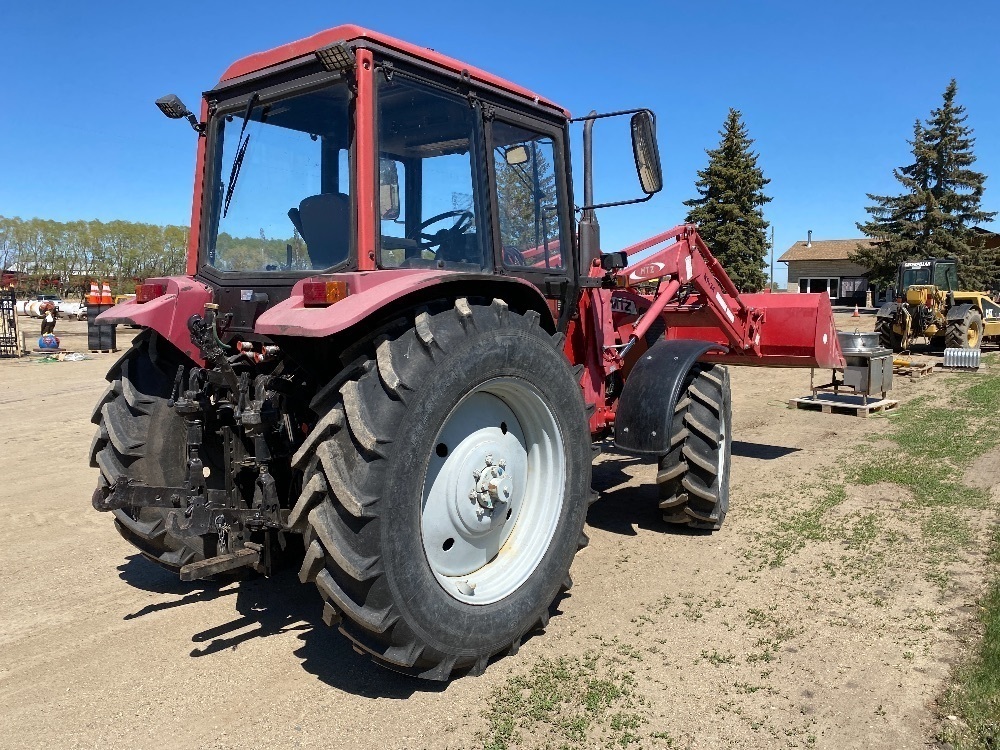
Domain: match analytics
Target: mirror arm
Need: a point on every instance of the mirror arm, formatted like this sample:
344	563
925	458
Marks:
616	203
199	127
588	228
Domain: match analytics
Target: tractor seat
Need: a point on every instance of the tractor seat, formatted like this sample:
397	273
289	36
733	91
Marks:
324	221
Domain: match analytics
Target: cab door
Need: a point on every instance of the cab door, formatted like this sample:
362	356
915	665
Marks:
532	223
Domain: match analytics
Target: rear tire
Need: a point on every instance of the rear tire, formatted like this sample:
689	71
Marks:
693	477
966	333
386	498
140	437
888	338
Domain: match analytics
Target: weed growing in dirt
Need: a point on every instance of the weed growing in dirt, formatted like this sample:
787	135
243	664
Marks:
973	703
567	702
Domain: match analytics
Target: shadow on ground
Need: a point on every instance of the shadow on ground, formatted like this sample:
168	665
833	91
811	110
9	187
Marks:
629	497
271	606
761	451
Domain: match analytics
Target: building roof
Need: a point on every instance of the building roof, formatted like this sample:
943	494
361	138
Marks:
823	250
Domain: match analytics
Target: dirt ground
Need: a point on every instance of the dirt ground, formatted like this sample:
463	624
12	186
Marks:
761	635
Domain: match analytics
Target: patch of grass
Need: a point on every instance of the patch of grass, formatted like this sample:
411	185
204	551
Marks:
566	702
715	658
974	700
935	443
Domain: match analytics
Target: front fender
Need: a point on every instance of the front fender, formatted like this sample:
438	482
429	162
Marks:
888	310
645	412
167	314
957	312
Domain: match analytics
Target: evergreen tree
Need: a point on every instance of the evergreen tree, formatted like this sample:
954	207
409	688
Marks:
729	211
941	202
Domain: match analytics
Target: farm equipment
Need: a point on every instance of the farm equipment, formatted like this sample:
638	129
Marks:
930	306
396	343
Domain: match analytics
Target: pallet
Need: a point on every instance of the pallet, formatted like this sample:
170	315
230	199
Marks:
849	405
913	372
103	351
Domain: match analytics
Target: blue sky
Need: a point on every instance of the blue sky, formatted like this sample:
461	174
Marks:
829	91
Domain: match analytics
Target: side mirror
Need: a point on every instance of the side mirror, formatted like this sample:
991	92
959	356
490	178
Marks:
515	155
646	152
388	193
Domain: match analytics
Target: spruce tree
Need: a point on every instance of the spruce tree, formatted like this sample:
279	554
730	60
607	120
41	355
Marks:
941	202
729	211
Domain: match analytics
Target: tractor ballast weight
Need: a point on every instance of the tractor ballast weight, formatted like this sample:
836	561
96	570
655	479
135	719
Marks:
395	341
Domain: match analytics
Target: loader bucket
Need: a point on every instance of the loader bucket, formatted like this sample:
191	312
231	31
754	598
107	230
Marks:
798	330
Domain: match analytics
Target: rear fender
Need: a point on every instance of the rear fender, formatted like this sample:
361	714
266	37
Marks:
646	407
956	313
167	314
374	295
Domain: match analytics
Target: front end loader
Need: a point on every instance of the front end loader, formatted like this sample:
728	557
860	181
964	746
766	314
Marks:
396	345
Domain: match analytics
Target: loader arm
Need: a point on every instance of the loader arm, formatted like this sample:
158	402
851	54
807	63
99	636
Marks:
687	261
684	287
682	290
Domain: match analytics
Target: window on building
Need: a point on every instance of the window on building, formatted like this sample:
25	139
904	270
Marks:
818	285
853	286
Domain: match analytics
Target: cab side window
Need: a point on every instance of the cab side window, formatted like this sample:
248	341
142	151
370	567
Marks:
527	197
429	168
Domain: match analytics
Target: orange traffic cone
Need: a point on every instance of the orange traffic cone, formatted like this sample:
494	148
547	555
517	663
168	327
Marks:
94	298
106	298
856	313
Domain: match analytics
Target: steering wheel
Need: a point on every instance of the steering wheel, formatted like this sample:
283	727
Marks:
429	242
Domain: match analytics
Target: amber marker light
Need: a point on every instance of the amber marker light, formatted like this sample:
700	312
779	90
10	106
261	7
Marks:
323	293
149	292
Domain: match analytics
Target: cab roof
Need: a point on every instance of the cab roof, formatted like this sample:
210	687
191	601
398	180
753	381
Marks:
349	32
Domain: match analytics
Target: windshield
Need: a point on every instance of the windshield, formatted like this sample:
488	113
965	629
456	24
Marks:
916	276
282	182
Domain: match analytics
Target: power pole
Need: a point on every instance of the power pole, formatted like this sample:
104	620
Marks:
772	259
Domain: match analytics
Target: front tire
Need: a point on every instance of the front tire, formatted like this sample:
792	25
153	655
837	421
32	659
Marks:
966	333
693	477
429	557
888	338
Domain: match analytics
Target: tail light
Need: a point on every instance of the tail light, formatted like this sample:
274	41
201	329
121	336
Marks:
149	292
323	293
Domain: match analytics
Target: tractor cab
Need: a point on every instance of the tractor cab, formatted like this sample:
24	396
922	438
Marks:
350	152
923	280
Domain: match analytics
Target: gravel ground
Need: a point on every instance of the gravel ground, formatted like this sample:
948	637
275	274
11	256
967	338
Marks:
765	634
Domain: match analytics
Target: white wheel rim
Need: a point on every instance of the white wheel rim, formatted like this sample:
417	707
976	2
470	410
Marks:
500	446
723	432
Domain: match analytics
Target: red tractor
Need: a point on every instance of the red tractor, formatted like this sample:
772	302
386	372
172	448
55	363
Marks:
396	342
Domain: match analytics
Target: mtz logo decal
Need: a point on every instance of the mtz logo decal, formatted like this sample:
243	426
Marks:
623	305
648	271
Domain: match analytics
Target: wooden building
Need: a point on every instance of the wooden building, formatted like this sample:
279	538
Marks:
826	266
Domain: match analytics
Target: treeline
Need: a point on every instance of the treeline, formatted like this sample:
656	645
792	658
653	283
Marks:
40	255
